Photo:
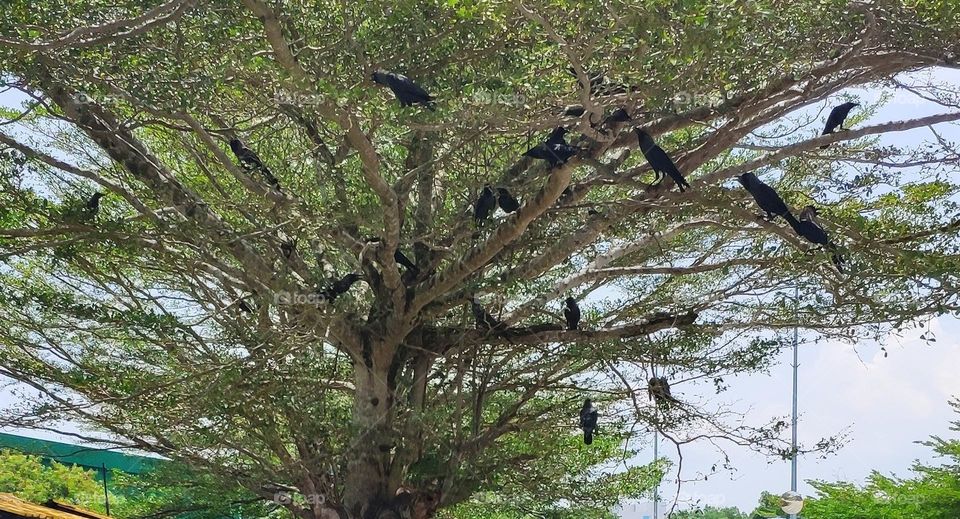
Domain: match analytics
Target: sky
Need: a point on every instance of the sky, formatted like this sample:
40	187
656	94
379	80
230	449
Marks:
884	404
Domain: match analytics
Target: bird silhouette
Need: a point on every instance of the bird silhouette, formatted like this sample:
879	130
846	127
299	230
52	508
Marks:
836	118
588	421
572	314
92	207
251	161
507	202
485	205
767	198
339	287
406	91
659	160
809	229
402	259
619	115
554	150
484	321
658	389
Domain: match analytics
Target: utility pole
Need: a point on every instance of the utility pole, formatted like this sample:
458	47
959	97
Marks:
793	443
656	488
106	496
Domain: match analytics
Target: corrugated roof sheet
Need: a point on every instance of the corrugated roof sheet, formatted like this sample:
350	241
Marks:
74	509
12	504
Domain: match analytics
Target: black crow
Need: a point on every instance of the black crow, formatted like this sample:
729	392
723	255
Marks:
507	202
658	389
767	198
619	115
92	207
836	118
573	110
557	135
251	161
340	286
659	160
808	228
554	150
399	257
402	259
555	154
288	248
484	320
407	92
485	205
588	421
572	314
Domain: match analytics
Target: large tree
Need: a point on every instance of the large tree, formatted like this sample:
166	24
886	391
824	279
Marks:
191	314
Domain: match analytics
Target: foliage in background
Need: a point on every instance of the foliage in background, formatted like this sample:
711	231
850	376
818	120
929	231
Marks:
30	479
173	490
711	512
933	492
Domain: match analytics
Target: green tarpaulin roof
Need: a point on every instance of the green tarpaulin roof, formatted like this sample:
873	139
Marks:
88	457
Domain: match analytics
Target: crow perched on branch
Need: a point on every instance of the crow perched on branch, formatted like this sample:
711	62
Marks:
288	248
572	314
836	118
507	202
619	115
407	92
485	205
402	259
557	135
659	160
484	320
92	207
573	110
658	388
767	198
554	150
588	421
808	228
251	161
339	287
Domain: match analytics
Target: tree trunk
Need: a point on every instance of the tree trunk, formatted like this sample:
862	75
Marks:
368	491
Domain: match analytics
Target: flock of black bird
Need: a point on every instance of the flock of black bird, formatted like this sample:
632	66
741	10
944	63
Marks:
556	152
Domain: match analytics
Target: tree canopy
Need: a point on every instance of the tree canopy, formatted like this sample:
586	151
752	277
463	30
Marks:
201	309
711	512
